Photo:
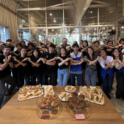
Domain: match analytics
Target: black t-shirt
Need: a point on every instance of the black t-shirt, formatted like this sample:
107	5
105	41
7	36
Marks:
6	71
63	66
37	70
1	52
49	68
17	52
109	53
23	70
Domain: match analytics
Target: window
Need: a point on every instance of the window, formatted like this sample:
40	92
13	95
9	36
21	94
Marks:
4	33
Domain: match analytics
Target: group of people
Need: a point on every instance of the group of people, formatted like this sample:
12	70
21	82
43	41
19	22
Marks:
34	63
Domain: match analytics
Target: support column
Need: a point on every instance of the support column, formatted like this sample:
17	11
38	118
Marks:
97	23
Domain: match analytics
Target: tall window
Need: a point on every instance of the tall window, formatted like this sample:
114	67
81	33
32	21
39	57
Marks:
4	33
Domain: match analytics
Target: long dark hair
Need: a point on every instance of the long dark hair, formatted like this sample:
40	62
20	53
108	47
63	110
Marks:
93	55
39	54
110	41
64	49
120	54
86	42
122	39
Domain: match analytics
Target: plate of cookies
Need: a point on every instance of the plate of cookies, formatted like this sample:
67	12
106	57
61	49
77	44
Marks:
77	102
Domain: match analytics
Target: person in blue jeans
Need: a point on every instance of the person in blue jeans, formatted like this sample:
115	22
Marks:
76	66
91	68
107	72
63	67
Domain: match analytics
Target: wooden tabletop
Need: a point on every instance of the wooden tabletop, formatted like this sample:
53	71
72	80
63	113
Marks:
15	112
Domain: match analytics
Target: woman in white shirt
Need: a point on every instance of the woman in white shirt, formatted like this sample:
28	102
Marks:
119	68
107	72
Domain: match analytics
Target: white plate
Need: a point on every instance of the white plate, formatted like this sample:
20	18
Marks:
29	97
70	91
48	90
63	99
29	89
36	89
100	103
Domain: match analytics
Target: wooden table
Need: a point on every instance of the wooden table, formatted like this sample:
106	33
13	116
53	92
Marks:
15	112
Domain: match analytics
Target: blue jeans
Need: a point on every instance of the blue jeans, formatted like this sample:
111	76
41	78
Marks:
91	77
107	84
79	79
63	75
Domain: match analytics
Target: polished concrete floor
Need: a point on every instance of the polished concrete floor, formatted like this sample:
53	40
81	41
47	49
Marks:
118	103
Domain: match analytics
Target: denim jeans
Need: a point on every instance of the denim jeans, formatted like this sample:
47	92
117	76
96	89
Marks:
63	75
107	84
79	79
91	77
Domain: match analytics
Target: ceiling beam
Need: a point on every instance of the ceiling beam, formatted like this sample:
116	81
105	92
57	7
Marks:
103	5
43	9
96	1
60	27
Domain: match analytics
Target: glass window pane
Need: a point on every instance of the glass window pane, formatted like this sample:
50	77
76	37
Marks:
55	35
72	34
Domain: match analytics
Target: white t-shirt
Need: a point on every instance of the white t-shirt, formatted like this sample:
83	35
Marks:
108	59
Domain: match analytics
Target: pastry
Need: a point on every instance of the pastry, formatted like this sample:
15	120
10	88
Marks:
75	104
44	105
55	96
82	103
74	94
82	97
71	99
54	103
43	100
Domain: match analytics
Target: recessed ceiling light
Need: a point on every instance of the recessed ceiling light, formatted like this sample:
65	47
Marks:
51	14
113	28
54	20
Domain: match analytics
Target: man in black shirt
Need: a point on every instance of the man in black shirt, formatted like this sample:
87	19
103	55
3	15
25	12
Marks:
50	67
5	74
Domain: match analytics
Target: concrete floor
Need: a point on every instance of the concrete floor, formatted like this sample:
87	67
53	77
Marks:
118	103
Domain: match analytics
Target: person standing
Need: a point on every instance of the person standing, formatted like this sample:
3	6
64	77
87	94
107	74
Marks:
63	67
37	67
91	68
76	66
119	69
22	65
107	72
6	64
50	67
